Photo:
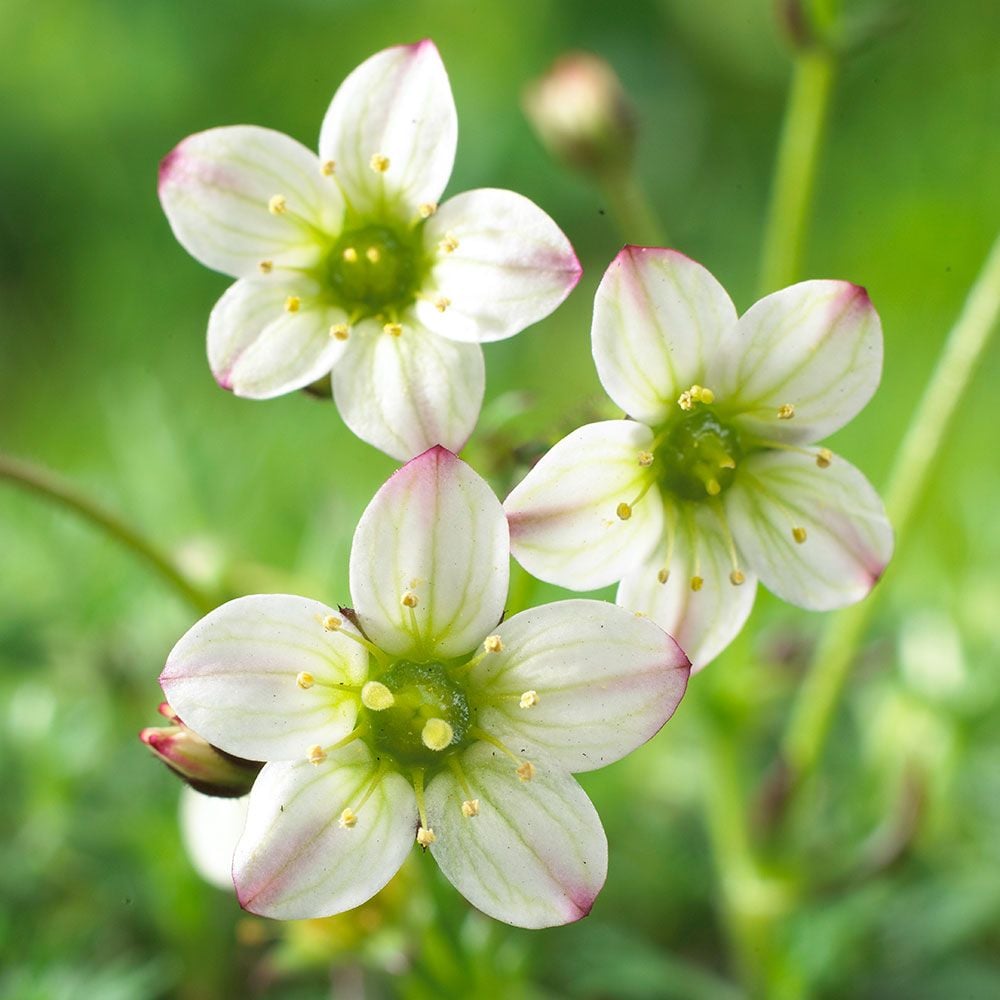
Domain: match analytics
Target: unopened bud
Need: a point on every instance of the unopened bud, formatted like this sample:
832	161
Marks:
582	114
204	767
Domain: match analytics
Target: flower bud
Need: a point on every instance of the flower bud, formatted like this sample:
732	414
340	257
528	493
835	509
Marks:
204	767
582	114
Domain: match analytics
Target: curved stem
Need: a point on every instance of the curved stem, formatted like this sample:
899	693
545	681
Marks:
813	710
795	169
631	211
40	481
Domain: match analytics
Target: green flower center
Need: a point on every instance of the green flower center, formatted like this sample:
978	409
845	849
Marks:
376	269
429	714
699	455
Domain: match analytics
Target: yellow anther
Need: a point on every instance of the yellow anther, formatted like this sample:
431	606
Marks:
265	266
332	623
348	819
373	254
786	411
645	459
526	771
824	457
379	163
624	511
340	331
327	168
736	577
663	575
409	599
437	734
425	837
696	394
685	400
293	304
706	395
493	644
441	303
350	255
712	488
393	329
427	209
304	679
799	534
697	583
376	696
316	754
470	808
277	204
529	699
449	244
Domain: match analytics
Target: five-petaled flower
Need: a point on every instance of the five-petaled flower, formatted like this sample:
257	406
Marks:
713	483
420	714
346	262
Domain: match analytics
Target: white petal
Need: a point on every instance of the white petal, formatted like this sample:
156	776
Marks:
512	266
563	515
848	537
210	829
658	321
405	394
702	621
295	859
397	105
605	681
435	530
232	677
216	187
816	345
258	348
535	856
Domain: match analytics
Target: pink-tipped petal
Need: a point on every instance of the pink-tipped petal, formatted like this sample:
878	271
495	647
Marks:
585	681
436	535
704	620
297	860
405	393
233	677
502	264
397	106
216	188
846	537
659	319
535	855
564	518
815	347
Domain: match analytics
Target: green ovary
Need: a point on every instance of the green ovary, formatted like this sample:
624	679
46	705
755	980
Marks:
699	455
376	269
421	692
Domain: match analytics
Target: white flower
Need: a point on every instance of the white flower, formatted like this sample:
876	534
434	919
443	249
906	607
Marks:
420	714
346	262
712	484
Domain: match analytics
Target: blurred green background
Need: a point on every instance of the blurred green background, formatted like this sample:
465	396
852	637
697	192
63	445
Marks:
892	872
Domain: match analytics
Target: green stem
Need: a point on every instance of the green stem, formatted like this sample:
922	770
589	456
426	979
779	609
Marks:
813	711
631	210
802	134
44	483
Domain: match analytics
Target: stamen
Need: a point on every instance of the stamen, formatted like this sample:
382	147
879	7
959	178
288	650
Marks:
348	819
696	394
409	599
697	583
824	457
304	679
437	734
736	578
316	754
524	767
529	699
376	696
327	168
470	808
786	411
712	487
332	623
624	511
350	255
393	329
379	163
426	209
645	459
340	331
373	254
292	304
663	575
265	266
449	244
526	771
425	837
799	534
277	204
441	303
493	644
